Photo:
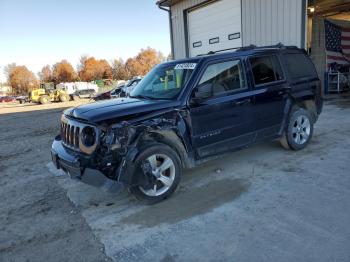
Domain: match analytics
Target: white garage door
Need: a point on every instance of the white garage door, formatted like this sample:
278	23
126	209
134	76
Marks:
214	27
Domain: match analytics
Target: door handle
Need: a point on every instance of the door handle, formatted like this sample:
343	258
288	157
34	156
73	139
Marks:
242	102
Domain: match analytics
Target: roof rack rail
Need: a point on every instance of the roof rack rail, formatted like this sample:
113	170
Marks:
251	47
279	46
218	51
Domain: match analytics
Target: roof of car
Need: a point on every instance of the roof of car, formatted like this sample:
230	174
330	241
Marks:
239	52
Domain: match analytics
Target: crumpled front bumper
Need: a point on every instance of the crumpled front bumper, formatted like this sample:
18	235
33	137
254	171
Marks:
70	163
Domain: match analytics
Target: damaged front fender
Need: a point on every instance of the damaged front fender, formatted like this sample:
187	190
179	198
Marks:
169	129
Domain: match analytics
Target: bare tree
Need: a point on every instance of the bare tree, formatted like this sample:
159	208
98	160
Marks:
119	70
45	75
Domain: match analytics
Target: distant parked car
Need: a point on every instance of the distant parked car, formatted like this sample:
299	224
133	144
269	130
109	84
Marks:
113	93
6	99
79	94
129	86
122	90
23	99
74	87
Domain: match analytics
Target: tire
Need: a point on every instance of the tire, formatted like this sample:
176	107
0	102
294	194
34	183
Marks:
76	98
64	98
149	163
299	131
44	100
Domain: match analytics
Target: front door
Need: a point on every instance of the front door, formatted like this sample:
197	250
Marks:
223	120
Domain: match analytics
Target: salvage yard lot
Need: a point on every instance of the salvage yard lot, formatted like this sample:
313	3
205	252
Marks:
259	204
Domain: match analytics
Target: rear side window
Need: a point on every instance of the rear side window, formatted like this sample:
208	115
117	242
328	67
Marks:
299	65
266	69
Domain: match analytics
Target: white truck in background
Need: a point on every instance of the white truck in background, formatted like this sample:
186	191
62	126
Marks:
79	89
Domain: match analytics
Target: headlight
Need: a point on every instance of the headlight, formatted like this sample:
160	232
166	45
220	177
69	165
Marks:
88	136
112	140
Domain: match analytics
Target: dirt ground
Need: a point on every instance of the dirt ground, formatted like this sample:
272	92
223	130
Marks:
38	222
259	204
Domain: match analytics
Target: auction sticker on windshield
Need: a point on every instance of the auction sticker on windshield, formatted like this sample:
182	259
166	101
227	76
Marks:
185	66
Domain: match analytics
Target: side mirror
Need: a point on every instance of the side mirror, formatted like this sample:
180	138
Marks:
202	92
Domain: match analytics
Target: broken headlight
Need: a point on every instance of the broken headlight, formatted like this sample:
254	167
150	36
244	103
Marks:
111	140
88	136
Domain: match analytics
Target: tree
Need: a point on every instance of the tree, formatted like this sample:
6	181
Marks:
22	80
45	74
119	71
88	69
169	57
104	69
82	60
64	72
93	69
8	69
144	61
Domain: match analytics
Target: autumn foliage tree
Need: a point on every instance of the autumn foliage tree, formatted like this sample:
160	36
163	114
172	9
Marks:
22	80
105	70
92	69
64	72
89	69
144	61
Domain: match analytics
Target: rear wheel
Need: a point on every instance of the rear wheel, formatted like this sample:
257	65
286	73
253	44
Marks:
160	169
299	131
44	99
76	98
64	98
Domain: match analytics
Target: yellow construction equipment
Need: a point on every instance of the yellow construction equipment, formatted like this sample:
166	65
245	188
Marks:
46	94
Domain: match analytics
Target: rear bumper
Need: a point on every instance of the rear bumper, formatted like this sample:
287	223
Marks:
70	163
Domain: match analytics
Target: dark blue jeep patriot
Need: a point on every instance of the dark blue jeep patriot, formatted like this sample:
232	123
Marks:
187	111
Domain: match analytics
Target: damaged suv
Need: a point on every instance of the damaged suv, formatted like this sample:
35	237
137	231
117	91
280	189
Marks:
187	111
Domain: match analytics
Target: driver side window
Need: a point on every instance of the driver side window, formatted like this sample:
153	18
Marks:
224	77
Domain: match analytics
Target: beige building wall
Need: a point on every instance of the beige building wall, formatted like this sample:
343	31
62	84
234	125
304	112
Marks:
264	22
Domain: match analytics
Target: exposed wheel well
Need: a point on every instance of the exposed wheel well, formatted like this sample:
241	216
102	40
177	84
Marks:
310	105
168	138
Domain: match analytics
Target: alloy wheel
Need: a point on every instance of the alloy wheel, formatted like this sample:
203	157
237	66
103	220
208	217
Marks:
301	129
163	170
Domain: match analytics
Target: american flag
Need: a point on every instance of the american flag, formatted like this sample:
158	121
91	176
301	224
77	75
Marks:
337	44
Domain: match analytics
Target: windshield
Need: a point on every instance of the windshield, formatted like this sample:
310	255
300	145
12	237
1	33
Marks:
165	81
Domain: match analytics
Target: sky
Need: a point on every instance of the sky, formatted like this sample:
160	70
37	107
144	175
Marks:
35	33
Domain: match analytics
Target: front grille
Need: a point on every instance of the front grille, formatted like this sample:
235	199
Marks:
70	135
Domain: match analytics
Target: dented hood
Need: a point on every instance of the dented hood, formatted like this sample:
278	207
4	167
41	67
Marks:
116	108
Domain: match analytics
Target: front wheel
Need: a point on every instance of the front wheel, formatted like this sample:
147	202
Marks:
160	171
299	131
64	98
44	99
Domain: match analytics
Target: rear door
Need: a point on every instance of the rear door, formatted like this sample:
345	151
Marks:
223	121
270	98
303	76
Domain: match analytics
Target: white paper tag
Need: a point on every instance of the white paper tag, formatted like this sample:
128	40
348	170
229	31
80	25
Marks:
186	66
